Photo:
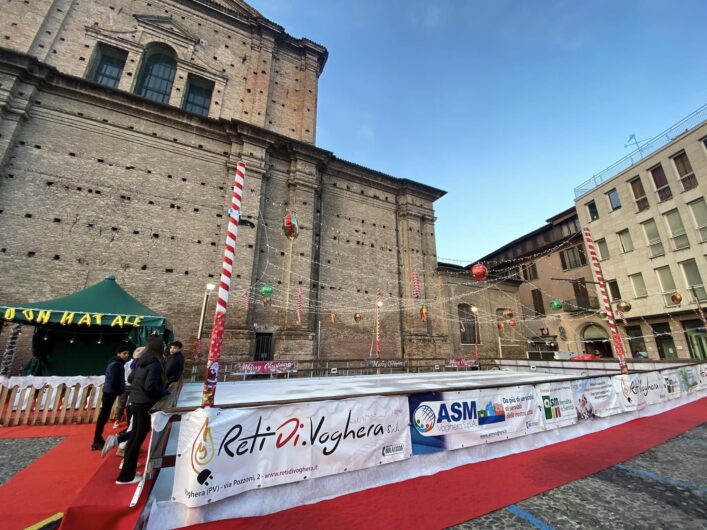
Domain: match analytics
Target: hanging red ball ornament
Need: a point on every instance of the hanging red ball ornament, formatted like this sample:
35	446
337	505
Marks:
358	317
676	298
479	272
290	227
623	306
512	323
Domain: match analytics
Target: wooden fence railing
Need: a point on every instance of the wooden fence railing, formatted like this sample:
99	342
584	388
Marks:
49	400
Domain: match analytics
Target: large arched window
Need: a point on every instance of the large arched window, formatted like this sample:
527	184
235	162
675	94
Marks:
157	73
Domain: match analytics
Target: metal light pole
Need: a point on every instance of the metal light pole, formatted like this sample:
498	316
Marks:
475	310
209	289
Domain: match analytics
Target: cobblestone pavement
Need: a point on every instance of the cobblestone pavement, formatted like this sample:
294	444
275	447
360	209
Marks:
18	453
665	487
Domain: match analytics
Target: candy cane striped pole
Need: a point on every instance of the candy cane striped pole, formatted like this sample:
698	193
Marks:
615	337
212	365
378	322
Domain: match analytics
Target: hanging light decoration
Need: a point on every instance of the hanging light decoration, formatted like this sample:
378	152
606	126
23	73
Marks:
423	313
332	318
415	285
508	313
623	306
676	298
555	304
290	227
358	317
266	293
479	272
501	327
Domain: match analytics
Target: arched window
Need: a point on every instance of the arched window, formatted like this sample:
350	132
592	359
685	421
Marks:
157	73
467	324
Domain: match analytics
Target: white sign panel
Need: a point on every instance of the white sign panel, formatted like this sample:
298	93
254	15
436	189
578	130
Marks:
671	383
475	417
557	404
635	391
595	397
225	452
688	377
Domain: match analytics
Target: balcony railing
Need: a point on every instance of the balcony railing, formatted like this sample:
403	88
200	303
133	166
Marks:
588	303
680	241
656	249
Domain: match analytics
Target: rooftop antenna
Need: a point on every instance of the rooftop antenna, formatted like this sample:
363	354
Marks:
633	141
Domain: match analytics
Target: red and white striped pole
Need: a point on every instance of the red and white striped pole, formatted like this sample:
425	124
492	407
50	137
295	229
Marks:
212	365
615	337
379	303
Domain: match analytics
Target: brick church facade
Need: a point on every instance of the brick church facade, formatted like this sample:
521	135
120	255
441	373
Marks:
121	122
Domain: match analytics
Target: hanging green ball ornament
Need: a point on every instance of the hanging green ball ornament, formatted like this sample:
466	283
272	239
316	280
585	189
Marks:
623	306
266	292
555	305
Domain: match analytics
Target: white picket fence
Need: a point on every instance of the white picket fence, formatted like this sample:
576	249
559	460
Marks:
49	400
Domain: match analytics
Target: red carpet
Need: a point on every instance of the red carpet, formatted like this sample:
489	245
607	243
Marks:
49	484
460	494
102	504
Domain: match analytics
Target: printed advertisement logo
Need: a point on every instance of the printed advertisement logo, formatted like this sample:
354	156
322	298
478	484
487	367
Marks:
492	413
395	449
552	407
424	418
202	453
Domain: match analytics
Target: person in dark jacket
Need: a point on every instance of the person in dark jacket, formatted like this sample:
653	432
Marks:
113	386
148	386
175	363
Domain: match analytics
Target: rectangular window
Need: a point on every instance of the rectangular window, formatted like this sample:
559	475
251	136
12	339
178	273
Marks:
699	216
570	227
667	284
603	249
538	304
467	324
530	272
614	200
693	280
625	241
677	230
684	168
635	340
650	229
661	183
613	288
639	286
592	211
639	194
573	257
108	64
198	96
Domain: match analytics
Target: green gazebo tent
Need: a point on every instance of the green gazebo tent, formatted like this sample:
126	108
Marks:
78	333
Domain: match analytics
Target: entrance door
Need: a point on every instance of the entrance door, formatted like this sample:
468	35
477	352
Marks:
664	341
263	347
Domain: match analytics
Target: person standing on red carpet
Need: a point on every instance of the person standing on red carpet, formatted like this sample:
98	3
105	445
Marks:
148	387
113	386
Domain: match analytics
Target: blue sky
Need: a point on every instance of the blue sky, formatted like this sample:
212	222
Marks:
505	104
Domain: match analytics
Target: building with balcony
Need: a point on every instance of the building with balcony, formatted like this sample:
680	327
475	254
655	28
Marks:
559	312
649	223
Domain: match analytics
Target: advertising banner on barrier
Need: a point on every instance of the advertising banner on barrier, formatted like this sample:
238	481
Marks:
701	371
635	391
223	452
442	421
687	375
595	397
557	403
671	383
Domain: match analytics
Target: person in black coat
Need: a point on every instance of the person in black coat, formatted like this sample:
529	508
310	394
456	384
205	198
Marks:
113	386
147	387
175	363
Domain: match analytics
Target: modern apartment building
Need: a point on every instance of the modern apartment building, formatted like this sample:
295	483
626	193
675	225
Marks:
559	311
649	223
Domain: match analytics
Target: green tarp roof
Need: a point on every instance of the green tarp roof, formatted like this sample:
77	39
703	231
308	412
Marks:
103	304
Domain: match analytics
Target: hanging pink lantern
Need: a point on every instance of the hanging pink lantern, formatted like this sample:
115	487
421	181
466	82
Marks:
479	272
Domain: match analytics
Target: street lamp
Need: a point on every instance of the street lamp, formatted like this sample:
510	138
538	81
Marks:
209	287
475	310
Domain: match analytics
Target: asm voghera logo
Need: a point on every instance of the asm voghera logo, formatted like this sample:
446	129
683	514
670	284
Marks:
424	418
552	408
461	414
